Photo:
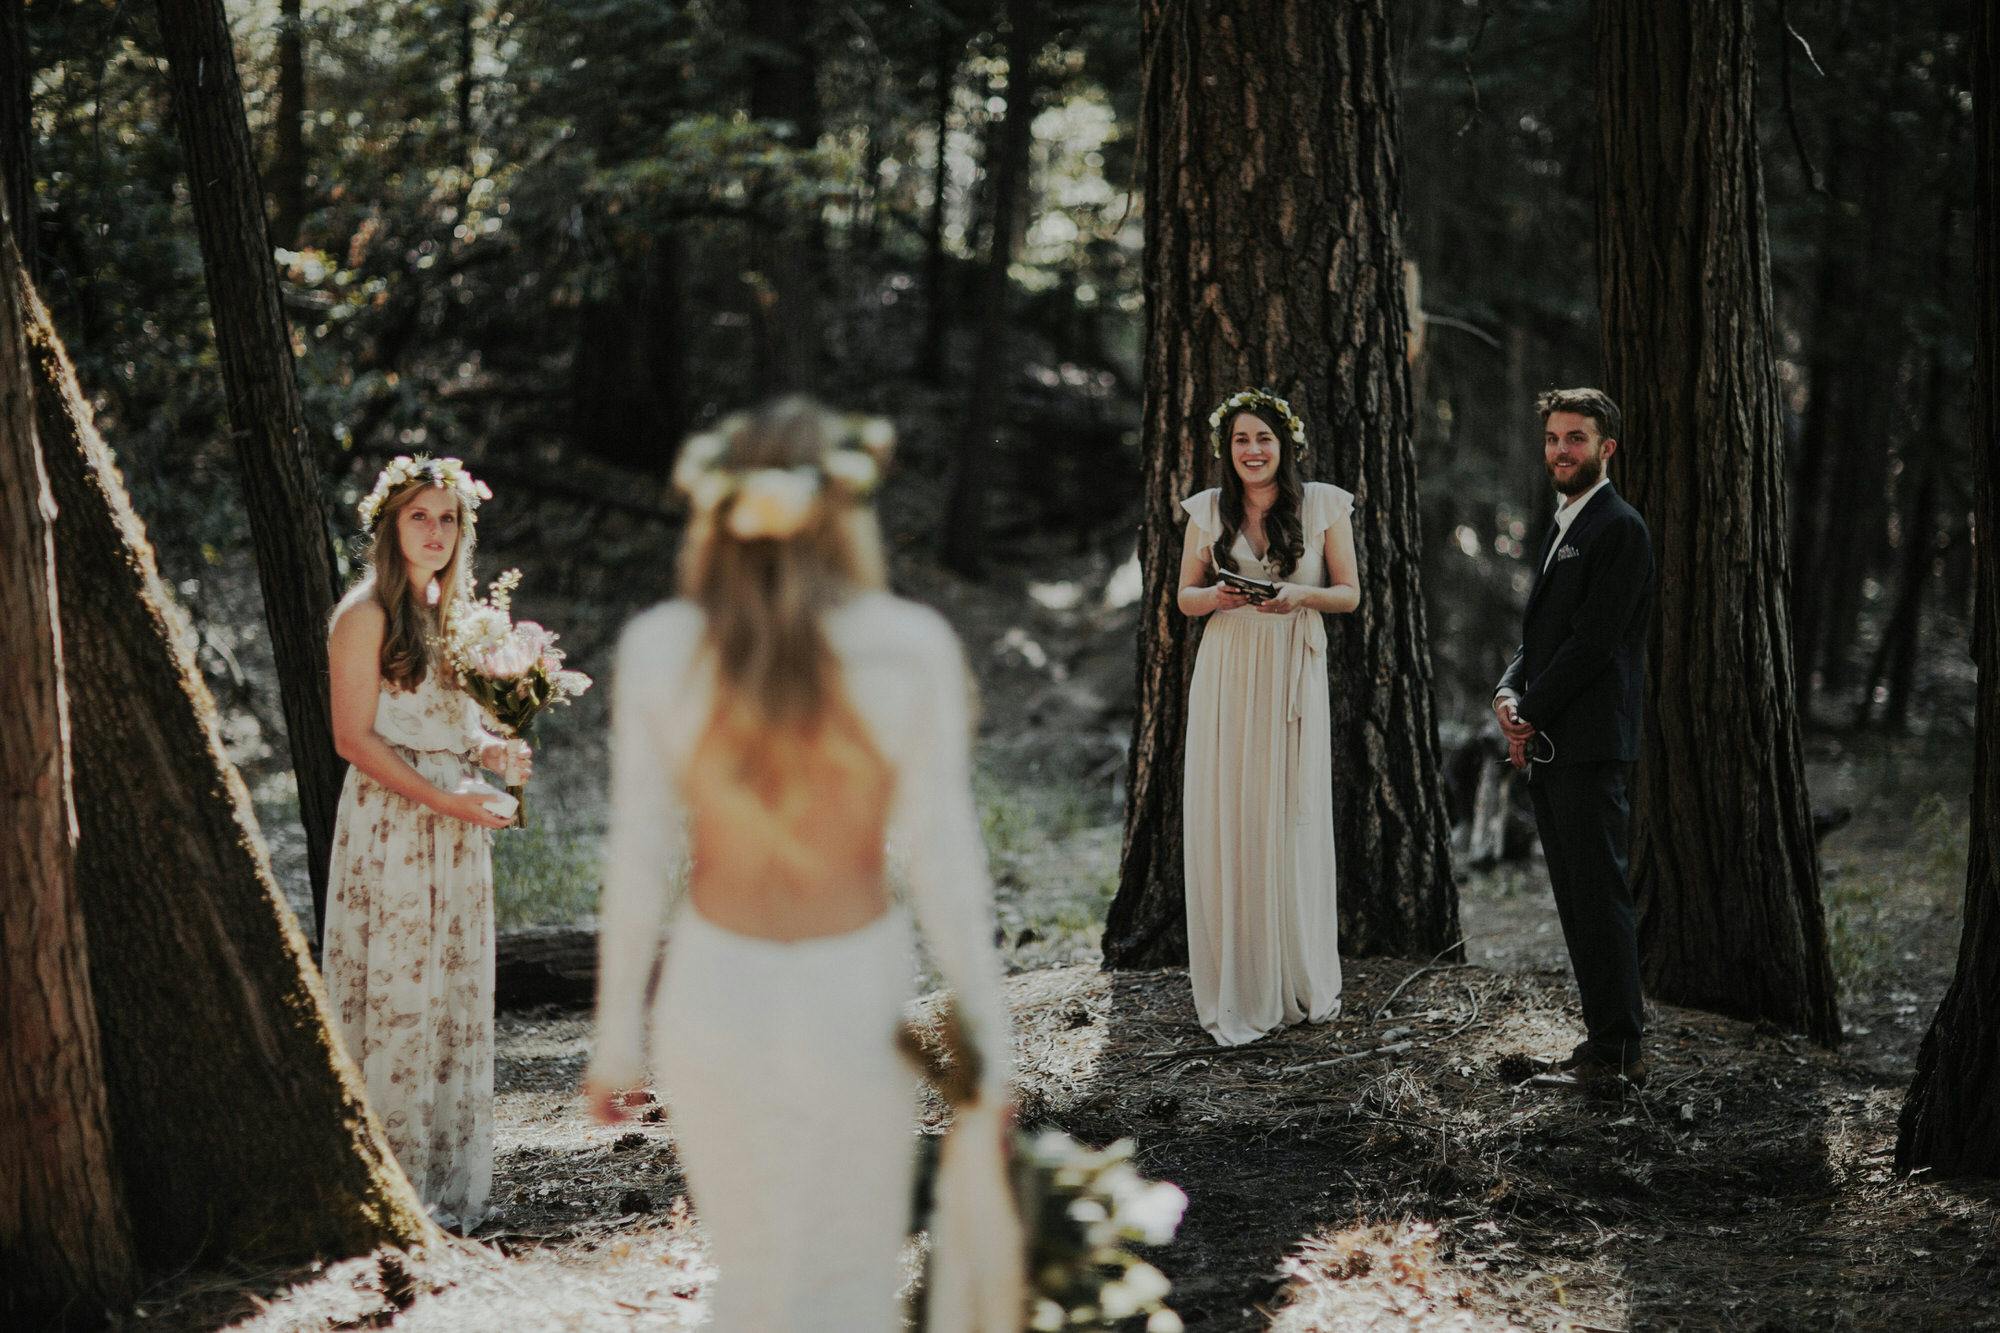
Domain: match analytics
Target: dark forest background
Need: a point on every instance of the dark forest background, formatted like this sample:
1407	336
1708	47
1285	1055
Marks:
553	237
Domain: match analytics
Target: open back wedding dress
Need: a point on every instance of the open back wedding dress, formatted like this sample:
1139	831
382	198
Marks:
790	1108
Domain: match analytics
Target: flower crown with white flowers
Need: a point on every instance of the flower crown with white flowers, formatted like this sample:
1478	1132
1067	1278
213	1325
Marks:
777	502
404	470
1244	400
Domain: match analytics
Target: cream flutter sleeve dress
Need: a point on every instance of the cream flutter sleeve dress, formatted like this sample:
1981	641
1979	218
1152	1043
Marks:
1257	800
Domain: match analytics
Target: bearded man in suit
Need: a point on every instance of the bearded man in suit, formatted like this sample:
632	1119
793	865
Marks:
1570	706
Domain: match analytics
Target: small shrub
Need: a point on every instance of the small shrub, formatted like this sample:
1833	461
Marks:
543	876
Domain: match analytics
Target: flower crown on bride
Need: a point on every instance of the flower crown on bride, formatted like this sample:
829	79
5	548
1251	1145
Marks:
777	502
1244	400
404	470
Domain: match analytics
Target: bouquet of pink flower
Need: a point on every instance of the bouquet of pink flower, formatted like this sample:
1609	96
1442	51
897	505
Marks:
513	670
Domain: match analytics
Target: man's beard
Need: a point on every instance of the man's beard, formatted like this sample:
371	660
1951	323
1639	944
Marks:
1588	473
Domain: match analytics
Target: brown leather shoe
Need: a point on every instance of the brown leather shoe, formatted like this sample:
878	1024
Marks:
1586	1072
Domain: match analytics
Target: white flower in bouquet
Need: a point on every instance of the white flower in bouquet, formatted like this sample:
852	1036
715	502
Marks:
510	659
513	671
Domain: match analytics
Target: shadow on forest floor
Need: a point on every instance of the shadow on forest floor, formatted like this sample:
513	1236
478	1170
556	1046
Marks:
1378	1171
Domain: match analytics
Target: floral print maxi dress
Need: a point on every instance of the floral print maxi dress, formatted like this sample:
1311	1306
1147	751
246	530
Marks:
409	953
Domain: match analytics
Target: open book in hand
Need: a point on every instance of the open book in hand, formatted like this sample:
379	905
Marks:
1257	590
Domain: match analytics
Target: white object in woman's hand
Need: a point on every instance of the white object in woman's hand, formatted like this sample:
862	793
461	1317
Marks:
470	806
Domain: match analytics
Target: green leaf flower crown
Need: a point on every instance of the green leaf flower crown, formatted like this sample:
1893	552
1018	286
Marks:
1245	399
403	470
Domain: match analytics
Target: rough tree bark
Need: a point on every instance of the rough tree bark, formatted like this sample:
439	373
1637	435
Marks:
1951	1119
1271	129
962	544
1725	869
295	565
65	1248
239	1124
288	156
17	131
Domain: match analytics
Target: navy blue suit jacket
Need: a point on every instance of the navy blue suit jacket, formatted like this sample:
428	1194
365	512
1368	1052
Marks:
1580	671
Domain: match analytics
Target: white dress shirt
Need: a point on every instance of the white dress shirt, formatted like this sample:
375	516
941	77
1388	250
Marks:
1566	515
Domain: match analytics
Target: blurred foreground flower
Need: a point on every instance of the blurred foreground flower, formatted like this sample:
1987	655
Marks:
1082	1208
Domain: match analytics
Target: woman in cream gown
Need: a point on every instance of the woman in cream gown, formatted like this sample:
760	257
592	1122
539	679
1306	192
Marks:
770	731
1263	928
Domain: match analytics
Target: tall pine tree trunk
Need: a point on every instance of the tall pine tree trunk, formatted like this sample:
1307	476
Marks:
65	1250
1273	257
288	158
1725	869
281	491
239	1124
963	542
1951	1119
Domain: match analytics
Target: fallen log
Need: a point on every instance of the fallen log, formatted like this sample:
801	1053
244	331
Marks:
545	966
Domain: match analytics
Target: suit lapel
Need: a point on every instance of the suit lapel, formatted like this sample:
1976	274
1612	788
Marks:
1579	528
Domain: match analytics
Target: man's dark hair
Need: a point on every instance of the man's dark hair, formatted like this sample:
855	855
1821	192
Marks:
1593	403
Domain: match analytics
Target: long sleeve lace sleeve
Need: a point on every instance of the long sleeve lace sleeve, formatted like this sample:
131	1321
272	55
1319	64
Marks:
644	848
937	828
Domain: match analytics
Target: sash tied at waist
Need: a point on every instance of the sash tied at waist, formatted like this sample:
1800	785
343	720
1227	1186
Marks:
1307	653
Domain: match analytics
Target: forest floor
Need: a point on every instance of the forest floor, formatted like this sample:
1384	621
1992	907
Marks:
1384	1170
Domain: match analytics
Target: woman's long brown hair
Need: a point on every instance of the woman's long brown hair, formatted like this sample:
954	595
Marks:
778	687
410	647
1284	528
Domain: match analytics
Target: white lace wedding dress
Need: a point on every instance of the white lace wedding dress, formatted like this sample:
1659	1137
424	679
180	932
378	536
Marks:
409	953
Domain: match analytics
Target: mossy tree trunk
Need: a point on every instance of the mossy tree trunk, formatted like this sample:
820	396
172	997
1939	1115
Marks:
1951	1119
239	1124
1273	257
1724	864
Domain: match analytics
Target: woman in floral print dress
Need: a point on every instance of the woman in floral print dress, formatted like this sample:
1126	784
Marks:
409	923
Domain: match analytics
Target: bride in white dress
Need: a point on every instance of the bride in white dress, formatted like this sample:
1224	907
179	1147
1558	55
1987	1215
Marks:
409	947
1257	797
770	730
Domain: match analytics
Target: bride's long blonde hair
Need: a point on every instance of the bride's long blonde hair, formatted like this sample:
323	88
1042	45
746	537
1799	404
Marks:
778	688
